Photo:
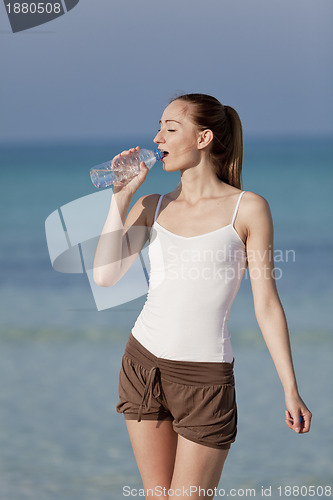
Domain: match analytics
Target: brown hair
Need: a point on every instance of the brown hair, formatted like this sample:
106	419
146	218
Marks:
226	150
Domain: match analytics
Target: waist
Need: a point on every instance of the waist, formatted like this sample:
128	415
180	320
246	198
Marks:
184	372
177	333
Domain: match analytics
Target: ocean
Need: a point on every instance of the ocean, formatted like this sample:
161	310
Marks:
60	436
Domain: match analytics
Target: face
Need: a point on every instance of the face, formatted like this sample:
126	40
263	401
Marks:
178	136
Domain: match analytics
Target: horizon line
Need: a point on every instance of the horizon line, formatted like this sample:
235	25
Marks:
33	142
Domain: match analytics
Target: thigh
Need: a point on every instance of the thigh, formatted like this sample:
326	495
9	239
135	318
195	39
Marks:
154	444
197	466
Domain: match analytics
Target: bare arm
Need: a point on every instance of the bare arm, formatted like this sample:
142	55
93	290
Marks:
268	308
122	239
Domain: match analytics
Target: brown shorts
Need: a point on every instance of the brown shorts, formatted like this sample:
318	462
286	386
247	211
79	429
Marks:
198	397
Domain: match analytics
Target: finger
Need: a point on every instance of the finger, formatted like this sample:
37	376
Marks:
289	420
143	170
131	150
306	421
123	153
288	415
292	422
117	156
127	151
296	416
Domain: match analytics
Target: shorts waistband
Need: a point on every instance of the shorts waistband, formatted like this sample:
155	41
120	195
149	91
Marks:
182	372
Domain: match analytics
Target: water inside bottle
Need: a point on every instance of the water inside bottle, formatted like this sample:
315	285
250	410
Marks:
101	177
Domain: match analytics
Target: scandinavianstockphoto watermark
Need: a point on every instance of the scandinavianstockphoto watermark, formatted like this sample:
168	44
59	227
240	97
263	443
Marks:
225	263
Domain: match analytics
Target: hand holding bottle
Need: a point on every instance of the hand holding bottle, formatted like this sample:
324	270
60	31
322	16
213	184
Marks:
124	167
130	186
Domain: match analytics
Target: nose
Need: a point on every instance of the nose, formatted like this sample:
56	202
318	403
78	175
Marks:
159	138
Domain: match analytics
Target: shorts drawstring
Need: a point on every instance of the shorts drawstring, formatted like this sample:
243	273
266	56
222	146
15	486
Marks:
148	392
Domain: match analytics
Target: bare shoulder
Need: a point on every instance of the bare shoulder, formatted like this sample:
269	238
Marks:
147	205
254	202
142	212
148	200
255	210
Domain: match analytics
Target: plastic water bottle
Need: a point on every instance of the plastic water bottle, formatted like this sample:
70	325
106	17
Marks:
124	167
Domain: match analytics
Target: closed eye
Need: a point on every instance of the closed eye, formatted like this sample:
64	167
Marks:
168	130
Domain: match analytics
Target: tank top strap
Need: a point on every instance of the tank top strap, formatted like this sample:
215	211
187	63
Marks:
236	209
158	207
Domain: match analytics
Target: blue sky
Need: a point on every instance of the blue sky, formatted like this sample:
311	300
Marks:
107	69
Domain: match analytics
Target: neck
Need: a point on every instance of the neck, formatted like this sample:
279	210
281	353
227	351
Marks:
199	182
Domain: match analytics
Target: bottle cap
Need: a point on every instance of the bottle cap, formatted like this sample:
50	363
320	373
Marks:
159	154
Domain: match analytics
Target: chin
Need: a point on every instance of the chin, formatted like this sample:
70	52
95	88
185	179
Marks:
170	168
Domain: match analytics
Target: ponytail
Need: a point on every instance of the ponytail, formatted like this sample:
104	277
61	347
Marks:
235	160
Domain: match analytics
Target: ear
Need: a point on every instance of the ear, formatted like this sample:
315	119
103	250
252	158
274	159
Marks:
205	137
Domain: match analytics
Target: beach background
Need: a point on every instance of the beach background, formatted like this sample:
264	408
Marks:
75	92
60	436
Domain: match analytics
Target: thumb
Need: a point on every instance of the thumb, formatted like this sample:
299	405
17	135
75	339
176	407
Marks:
139	179
143	170
143	166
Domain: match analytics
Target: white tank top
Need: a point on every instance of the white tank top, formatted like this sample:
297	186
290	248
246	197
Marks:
193	282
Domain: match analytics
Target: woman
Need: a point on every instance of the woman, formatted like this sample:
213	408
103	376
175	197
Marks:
176	384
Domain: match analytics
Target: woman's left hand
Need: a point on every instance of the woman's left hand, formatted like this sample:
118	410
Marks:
298	416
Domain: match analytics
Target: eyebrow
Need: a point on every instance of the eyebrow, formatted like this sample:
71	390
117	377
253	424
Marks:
170	121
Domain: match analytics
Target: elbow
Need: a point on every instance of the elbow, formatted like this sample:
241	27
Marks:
102	283
106	275
101	280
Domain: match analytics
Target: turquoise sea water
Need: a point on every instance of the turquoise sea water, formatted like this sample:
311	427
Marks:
60	436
